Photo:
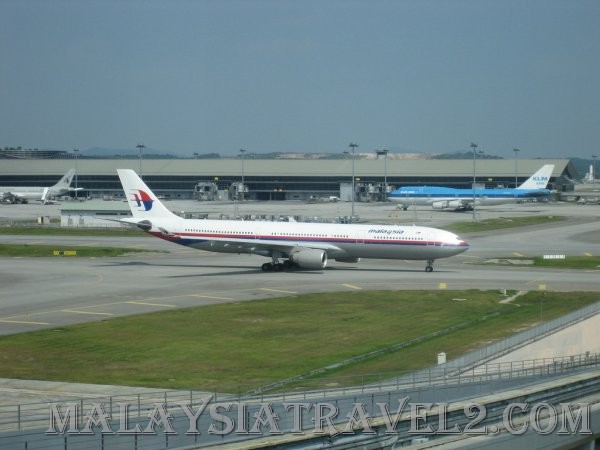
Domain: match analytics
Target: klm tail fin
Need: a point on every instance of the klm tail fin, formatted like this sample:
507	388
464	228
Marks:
142	201
539	180
64	183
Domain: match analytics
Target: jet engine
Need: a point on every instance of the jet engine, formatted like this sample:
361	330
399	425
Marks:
443	204
145	225
456	204
310	258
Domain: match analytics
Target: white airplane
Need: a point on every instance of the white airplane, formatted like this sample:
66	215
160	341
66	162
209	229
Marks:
22	194
462	199
306	245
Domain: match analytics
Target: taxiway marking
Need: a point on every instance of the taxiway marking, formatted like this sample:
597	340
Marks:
133	302
277	290
209	296
351	286
23	322
73	311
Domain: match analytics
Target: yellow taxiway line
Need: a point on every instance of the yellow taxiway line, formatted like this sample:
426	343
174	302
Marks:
150	304
87	312
23	322
278	290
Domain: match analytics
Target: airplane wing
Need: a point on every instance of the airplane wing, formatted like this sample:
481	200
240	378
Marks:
264	246
286	248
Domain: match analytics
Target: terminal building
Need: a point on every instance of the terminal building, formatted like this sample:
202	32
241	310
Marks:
279	179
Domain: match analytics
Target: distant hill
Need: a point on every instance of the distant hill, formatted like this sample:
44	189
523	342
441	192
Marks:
98	152
464	155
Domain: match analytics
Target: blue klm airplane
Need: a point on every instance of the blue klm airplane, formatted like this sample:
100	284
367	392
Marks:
462	199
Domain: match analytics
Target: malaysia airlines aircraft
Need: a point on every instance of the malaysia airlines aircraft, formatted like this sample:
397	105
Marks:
306	245
23	194
462	199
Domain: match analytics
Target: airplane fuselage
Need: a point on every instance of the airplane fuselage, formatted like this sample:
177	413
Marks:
22	194
426	195
27	193
340	241
305	245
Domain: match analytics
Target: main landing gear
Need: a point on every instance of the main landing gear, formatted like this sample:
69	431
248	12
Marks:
275	265
429	266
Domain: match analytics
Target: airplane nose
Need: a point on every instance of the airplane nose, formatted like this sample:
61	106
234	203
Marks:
462	246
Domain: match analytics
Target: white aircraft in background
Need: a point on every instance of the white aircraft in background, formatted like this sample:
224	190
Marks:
462	199
22	194
307	245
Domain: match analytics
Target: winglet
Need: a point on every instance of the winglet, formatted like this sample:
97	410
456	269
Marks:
539	180
142	201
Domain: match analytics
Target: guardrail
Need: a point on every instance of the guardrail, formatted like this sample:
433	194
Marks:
26	425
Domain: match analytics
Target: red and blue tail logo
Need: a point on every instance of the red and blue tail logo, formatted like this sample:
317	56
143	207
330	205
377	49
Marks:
143	199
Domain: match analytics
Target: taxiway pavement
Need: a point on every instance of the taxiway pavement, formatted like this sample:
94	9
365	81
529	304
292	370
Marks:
51	292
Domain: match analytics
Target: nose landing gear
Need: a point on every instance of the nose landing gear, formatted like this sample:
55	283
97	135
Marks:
429	266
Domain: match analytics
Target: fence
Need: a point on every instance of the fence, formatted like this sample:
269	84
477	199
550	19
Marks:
148	421
26	426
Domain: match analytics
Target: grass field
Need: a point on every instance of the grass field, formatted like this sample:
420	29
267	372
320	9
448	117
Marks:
238	346
500	223
570	262
58	231
27	250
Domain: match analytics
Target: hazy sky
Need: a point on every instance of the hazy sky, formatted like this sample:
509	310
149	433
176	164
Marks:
302	75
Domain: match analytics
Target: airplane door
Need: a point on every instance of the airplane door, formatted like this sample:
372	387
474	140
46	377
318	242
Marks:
427	237
362	237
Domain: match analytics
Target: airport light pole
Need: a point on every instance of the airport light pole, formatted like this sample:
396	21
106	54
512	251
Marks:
516	150
474	147
594	171
384	153
140	147
242	151
353	146
76	151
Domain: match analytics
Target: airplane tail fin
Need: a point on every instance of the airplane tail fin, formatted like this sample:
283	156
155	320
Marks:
142	201
64	183
539	180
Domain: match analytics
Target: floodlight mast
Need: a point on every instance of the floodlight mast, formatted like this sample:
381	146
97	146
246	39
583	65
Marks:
140	147
353	146
242	151
516	150
384	152
76	151
475	152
